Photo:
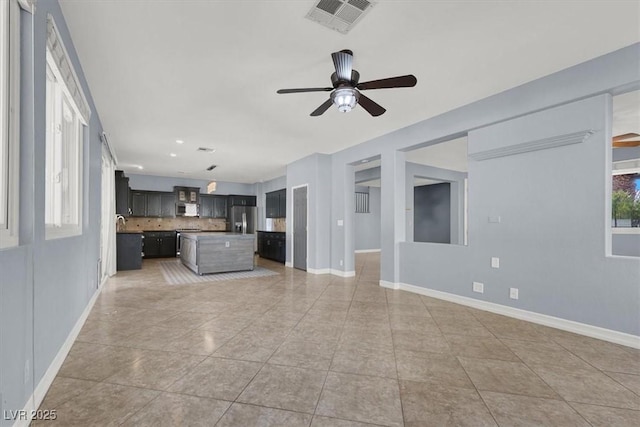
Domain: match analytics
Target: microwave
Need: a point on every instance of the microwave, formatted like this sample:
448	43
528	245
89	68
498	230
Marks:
187	209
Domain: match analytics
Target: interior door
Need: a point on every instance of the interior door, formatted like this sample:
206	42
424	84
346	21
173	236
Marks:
300	228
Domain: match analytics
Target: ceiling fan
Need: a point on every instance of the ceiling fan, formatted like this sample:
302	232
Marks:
345	93
623	141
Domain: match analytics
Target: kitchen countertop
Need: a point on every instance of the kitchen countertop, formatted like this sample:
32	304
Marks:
263	231
200	235
129	232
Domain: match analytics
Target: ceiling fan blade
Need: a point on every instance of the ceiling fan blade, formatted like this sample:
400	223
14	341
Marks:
307	89
321	109
400	81
626	144
372	107
624	136
343	61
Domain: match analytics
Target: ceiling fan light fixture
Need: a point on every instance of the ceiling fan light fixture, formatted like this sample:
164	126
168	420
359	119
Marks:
345	99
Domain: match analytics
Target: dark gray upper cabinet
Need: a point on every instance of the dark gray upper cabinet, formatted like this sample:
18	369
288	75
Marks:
206	206
168	205
236	200
220	206
276	204
122	194
154	205
213	206
138	203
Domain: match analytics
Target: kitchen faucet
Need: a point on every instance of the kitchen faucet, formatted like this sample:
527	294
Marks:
118	218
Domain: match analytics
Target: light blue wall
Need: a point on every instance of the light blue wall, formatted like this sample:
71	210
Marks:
164	183
45	284
614	73
367	225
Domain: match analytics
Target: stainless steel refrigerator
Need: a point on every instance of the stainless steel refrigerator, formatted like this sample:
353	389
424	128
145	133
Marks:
242	219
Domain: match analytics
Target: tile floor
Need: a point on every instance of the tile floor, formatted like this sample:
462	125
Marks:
304	350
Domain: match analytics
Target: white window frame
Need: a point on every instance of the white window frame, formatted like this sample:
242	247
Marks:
10	124
63	85
624	167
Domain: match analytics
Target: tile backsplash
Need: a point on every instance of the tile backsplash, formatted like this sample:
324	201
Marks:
149	224
279	224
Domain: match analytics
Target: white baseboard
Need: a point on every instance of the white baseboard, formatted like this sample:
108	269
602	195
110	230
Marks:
389	285
318	270
288	264
341	273
43	386
366	251
530	316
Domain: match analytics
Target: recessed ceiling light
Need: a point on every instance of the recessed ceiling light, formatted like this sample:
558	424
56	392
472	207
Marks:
173	154
181	172
179	141
364	161
139	167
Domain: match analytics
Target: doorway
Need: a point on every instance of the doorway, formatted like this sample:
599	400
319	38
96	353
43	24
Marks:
299	253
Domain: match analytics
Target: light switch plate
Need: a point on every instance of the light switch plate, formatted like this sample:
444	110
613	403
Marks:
513	293
478	287
495	262
494	219
340	223
226	244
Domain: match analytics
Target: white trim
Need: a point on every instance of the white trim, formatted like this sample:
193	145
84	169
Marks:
625	230
341	273
366	251
529	316
389	285
319	270
110	149
47	379
288	264
9	234
28	5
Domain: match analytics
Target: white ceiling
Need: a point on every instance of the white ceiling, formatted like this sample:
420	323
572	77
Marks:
207	72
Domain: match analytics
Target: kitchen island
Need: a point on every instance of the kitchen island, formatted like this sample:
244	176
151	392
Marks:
217	252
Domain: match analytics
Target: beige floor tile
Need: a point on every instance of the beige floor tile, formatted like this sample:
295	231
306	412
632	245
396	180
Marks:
155	370
480	348
605	356
284	387
505	377
102	405
227	323
319	421
97	362
370	336
153	338
417	324
544	353
427	404
587	386
358	358
408	310
63	389
186	320
240	415
107	332
402	297
461	325
178	410
361	398
316	331
603	416
421	366
632	382
407	340
200	341
217	378
246	347
304	354
515	329
514	410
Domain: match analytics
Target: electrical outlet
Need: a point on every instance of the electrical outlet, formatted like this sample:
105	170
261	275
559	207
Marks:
341	263
478	287
495	262
340	223
513	293
226	244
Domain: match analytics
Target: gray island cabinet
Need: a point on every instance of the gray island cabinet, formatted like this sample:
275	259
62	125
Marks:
217	252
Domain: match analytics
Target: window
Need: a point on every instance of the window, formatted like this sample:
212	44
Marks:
9	139
362	202
66	121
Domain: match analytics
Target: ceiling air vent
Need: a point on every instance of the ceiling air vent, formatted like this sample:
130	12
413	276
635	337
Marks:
212	167
339	15
206	150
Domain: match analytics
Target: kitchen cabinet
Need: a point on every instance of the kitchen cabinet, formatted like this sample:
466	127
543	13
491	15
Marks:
159	244
276	204
236	200
272	245
153	204
213	206
167	205
187	194
138	203
128	251
122	194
